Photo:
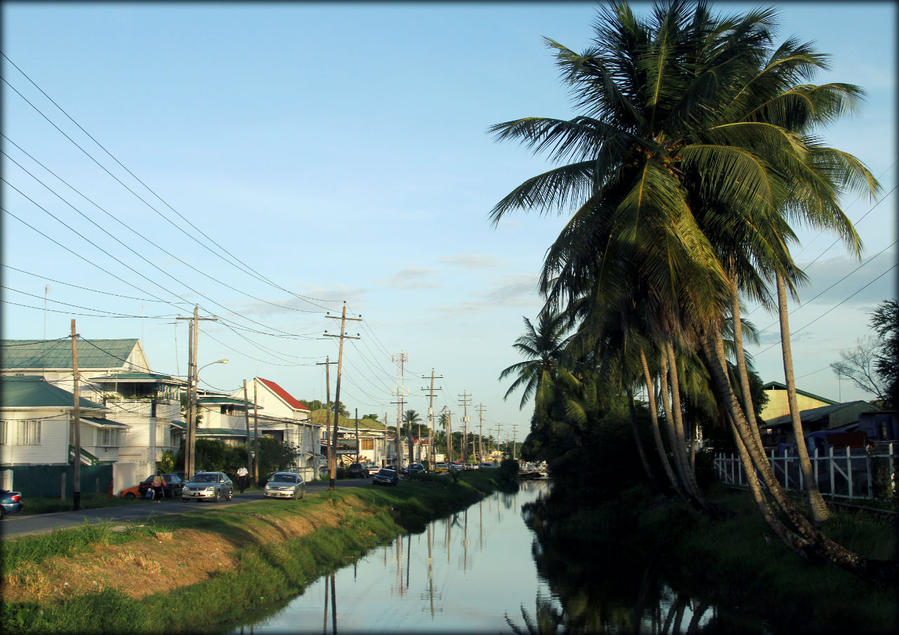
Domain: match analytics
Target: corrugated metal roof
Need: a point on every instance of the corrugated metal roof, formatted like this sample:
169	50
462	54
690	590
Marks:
33	354
135	378
24	391
289	399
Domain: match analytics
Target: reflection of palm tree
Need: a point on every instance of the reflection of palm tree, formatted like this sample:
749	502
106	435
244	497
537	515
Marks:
542	346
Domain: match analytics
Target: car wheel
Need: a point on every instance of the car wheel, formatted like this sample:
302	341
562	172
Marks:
230	493
130	496
2	511
218	496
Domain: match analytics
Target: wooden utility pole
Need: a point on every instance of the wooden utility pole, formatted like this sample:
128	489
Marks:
481	409
357	436
464	401
400	359
449	435
246	412
190	432
514	439
431	394
255	435
76	426
332	457
343	318
498	427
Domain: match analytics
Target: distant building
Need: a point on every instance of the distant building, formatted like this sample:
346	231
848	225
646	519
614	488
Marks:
778	404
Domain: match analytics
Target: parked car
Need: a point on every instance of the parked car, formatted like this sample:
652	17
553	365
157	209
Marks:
441	467
357	470
208	486
373	469
456	467
385	476
10	502
488	466
134	491
285	485
173	485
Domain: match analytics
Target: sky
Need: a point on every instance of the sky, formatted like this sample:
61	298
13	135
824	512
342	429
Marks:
270	162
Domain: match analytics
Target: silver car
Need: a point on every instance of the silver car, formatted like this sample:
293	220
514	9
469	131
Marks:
208	486
285	485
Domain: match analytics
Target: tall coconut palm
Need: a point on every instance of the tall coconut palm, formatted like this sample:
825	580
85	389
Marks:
691	131
542	347
412	417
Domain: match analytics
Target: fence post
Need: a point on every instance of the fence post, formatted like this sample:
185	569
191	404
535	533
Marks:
802	484
62	487
868	474
816	466
830	464
849	470
787	471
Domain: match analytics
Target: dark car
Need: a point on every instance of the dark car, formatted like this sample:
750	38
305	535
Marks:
10	502
415	468
357	470
385	476
173	485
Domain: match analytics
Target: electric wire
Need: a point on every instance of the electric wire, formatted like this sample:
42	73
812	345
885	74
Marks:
247	269
77	306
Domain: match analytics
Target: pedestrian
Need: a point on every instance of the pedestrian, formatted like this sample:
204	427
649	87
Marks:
242	475
158	487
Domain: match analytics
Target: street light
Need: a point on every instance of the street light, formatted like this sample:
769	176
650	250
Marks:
190	441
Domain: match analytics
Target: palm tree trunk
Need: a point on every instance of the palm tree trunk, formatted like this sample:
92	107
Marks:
676	443
656	434
643	460
689	474
820	513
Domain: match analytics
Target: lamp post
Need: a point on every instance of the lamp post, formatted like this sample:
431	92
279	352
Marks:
191	436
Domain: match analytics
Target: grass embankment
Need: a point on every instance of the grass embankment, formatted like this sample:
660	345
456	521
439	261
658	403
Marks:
738	564
194	571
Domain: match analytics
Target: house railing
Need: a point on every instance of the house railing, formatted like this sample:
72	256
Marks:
851	473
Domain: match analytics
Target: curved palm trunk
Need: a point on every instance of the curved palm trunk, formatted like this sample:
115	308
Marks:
811	541
656	434
689	475
820	513
643	460
676	443
742	371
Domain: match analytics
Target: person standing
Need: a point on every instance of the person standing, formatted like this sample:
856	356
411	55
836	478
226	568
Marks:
158	486
242	475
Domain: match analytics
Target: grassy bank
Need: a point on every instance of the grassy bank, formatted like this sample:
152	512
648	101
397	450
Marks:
735	564
199	570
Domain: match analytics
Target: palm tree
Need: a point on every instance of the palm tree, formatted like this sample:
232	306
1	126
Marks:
543	347
412	418
692	147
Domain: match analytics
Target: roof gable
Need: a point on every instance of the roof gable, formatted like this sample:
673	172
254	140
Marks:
285	396
34	354
776	385
35	392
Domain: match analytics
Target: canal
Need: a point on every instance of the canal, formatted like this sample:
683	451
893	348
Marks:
474	571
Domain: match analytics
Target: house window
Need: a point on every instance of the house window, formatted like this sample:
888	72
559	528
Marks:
107	437
29	432
367	444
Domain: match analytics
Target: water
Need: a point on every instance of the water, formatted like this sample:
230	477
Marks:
464	573
483	570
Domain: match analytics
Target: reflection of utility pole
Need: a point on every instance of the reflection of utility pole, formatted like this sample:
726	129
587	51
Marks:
430	394
464	401
343	318
481	408
465	540
430	572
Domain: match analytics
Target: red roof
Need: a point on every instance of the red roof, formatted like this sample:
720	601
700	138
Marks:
286	396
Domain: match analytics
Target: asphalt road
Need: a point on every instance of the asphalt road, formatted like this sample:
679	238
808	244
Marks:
15	525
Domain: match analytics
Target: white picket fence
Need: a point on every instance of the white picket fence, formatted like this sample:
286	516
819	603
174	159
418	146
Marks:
851	473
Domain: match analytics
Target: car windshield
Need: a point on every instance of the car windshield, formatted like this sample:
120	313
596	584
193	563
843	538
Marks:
205	477
285	478
386	472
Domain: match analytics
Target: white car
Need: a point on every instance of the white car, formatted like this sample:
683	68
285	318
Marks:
208	486
285	485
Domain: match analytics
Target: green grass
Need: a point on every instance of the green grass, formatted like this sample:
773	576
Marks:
267	575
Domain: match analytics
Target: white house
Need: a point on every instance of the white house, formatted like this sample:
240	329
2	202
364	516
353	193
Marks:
35	438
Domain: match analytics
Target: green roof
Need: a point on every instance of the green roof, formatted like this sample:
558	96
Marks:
223	400
27	391
28	354
136	378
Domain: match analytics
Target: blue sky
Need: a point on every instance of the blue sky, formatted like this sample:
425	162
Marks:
341	151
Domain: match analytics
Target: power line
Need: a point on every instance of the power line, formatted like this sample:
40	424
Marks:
77	306
247	269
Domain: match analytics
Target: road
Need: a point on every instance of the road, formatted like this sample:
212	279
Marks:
16	525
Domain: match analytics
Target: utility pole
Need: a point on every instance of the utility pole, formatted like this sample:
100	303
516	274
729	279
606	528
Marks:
76	429
449	436
255	435
400	391
498	426
343	318
246	412
514	438
481	408
332	443
190	432
464	401
430	394
357	436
